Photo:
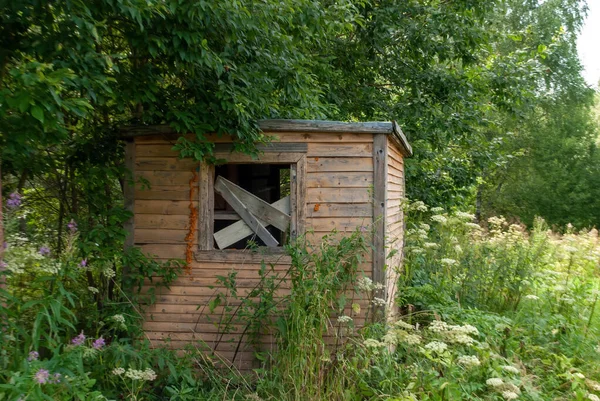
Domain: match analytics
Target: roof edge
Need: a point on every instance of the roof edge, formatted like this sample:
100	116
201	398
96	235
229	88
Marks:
401	138
280	125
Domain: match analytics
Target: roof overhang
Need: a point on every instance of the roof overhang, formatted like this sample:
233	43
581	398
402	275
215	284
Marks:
315	126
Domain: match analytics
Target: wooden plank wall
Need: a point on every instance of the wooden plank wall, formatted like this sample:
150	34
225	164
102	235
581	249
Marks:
394	222
339	178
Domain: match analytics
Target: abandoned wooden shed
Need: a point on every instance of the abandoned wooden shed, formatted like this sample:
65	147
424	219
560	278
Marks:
312	178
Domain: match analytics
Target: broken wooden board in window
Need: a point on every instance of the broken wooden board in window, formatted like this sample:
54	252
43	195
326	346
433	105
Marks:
255	213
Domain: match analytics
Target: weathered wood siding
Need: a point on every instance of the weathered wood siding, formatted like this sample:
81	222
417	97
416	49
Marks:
339	178
394	220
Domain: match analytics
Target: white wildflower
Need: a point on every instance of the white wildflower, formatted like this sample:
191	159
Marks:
458	248
468	360
379	301
532	297
93	290
494	382
510	369
344	319
364	283
149	375
424	226
109	272
465	216
410	339
118	318
579	375
593	385
473	226
570	249
134	374
436	346
509	395
438	218
428	245
593	397
437	326
372	343
118	371
448	262
390	338
417	251
461	338
419	206
467	329
437	209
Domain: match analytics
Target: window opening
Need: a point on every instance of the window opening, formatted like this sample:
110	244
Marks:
251	205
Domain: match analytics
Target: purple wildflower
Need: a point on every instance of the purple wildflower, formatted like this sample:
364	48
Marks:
44	251
5	245
3	264
83	263
33	356
99	343
14	200
79	340
72	226
42	376
56	378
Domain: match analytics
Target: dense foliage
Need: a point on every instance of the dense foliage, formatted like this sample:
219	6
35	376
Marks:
496	314
489	93
491	97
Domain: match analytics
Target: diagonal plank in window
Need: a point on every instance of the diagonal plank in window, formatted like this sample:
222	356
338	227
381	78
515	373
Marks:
256	214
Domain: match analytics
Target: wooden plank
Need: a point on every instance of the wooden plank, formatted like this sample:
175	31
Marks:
310	137
154	236
164	177
336	164
271	158
173	221
165	207
271	147
325	126
156	150
206	207
301	194
161	192
164	164
380	160
129	192
240	230
258	207
339	210
338	195
164	251
340	150
242	257
129	204
245	214
276	137
342	224
341	179
226	216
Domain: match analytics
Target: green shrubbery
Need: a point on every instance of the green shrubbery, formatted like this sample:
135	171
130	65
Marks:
491	313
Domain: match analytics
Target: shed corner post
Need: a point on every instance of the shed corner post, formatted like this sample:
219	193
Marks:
129	201
379	213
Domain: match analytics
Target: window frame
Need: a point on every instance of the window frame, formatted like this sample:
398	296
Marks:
297	162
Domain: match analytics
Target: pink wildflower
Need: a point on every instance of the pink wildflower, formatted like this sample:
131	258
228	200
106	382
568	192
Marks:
99	343
33	356
42	376
79	340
